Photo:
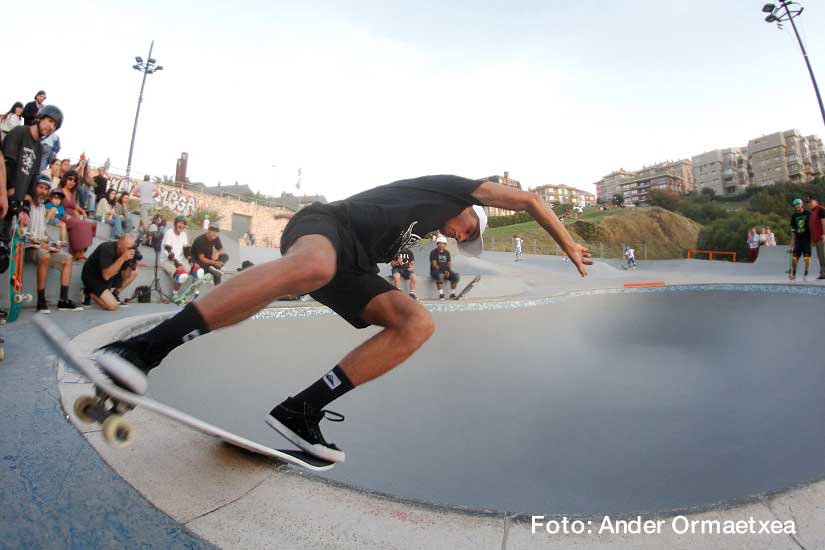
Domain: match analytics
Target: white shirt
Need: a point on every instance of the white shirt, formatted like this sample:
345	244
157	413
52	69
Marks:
754	241
177	242
518	242
37	222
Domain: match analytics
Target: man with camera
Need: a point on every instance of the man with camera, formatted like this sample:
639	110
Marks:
171	249
109	270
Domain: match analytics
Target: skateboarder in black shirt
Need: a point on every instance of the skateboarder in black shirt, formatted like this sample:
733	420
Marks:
800	238
331	251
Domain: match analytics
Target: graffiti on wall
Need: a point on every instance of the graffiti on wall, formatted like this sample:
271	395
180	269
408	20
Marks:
178	200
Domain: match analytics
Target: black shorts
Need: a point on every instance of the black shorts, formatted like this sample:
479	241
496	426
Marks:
404	271
98	285
356	280
439	276
802	248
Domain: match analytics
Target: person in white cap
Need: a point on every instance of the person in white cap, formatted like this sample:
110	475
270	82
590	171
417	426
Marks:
331	252
441	267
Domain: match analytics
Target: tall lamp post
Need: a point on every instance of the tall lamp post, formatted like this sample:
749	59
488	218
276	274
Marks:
788	11
147	67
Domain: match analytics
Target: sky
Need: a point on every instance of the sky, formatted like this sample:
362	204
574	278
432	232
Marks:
362	93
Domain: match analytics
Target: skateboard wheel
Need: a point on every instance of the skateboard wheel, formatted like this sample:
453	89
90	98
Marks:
18	298
81	405
118	432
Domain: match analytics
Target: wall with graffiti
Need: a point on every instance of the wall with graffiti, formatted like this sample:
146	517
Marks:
267	223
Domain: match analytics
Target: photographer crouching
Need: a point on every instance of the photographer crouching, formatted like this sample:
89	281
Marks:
109	270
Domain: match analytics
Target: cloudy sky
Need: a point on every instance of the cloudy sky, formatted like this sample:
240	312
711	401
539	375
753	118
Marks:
360	93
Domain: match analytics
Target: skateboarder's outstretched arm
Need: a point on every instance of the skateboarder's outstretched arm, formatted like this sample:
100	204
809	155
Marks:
502	196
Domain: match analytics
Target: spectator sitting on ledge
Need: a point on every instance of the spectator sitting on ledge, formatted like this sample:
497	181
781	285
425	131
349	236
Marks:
208	252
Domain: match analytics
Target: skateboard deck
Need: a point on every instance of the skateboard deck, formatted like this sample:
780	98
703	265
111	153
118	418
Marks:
111	402
183	297
16	295
469	287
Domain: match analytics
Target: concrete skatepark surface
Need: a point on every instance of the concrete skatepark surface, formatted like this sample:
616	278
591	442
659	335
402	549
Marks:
204	490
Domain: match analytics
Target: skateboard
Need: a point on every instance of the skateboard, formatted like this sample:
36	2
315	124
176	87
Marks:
192	290
469	287
16	295
111	402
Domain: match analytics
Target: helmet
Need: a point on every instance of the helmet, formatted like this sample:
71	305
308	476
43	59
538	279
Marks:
441	239
797	202
52	112
58	191
180	219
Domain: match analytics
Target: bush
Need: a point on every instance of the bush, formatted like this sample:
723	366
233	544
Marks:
500	221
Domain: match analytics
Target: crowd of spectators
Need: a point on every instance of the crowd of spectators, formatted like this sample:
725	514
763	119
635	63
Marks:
39	189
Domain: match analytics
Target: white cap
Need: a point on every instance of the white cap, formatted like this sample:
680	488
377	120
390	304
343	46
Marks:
475	247
441	239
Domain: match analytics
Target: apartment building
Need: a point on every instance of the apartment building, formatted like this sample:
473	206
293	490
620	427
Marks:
505	180
637	191
563	194
675	175
725	171
609	185
785	157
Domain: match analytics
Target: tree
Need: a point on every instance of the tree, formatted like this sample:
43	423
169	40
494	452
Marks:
618	198
708	192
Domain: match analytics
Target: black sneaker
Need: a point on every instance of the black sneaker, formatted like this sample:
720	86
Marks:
120	302
136	350
68	305
453	296
87	301
413	296
298	422
43	307
123	373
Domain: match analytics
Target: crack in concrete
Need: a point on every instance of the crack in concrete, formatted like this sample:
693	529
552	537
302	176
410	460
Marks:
796	541
225	504
507	522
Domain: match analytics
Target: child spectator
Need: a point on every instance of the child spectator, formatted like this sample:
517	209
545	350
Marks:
55	212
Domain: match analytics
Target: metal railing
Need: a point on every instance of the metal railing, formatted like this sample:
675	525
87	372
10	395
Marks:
710	253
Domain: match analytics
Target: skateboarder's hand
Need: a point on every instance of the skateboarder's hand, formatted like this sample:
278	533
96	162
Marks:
23	219
580	256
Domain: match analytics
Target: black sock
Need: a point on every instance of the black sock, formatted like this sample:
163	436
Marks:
329	387
171	333
64	293
41	295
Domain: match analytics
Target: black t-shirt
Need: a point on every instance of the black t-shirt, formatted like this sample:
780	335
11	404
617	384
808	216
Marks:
441	258
30	113
103	256
202	245
100	187
21	148
801	226
392	217
404	258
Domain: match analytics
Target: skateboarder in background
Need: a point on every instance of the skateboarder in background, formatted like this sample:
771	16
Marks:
800	238
518	241
441	268
403	266
630	255
331	251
